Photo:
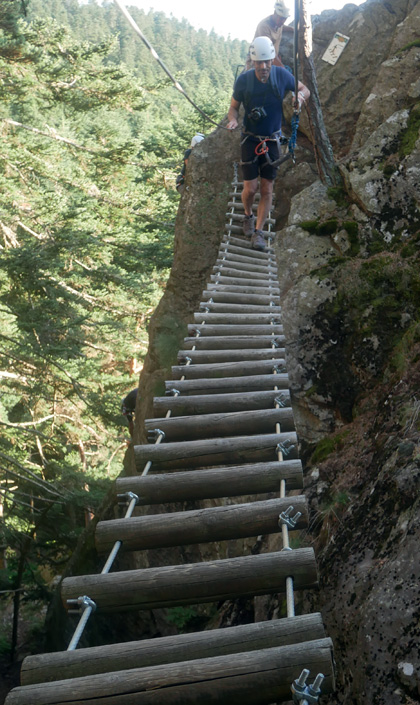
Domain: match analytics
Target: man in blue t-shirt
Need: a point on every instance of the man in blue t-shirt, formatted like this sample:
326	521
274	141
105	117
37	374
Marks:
261	90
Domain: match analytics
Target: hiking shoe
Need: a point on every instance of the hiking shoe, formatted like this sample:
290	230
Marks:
257	241
248	225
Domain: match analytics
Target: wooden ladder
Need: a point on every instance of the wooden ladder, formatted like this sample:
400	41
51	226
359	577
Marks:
228	432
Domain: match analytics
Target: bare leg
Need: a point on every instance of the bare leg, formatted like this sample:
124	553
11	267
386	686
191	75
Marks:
248	195
266	199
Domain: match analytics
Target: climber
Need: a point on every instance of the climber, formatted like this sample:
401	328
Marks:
261	90
272	27
180	179
128	407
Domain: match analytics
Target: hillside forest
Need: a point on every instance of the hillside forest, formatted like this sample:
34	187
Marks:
92	137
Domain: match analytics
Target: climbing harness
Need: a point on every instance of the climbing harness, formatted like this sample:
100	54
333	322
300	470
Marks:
262	148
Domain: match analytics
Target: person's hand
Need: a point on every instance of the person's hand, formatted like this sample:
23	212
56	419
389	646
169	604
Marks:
300	100
232	124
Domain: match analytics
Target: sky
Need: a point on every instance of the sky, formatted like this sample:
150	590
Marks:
227	18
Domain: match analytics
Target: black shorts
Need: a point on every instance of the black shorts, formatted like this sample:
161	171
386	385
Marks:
260	166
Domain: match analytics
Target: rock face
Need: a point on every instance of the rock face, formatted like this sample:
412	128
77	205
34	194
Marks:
350	282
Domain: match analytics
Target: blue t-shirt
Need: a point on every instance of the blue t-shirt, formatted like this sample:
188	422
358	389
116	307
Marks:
262	95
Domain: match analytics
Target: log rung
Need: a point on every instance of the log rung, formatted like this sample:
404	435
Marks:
234	329
186	428
239	217
236	308
213	483
229	318
63	665
219	370
233	342
243	265
242	289
232	297
234	521
193	583
248	355
237	229
215	451
262	676
228	385
216	403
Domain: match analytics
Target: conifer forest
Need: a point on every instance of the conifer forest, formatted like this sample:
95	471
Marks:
92	138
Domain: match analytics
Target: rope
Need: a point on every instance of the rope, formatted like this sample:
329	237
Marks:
160	62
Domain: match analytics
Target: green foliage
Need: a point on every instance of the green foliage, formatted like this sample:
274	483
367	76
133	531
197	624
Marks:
326	446
411	133
90	150
407	47
339	195
188	619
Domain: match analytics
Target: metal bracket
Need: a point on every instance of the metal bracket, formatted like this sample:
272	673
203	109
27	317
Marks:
184	360
285	518
82	603
128	497
154	433
281	400
279	369
172	392
285	448
197	332
306	694
205	309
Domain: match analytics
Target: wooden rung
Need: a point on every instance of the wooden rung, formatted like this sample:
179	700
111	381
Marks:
261	676
183	428
209	356
228	385
234	521
228	318
236	308
253	282
213	483
244	274
237	230
239	241
219	370
258	257
231	262
192	583
215	403
233	289
232	297
233	342
238	217
244	255
215	451
63	665
234	329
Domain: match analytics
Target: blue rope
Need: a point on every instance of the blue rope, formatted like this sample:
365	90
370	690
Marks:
293	137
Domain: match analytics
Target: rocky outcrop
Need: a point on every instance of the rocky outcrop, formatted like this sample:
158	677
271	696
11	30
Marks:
350	281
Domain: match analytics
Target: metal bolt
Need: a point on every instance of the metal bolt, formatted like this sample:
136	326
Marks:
172	392
82	603
154	433
127	497
285	448
281	400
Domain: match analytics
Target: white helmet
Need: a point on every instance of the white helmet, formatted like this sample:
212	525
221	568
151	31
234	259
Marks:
281	9
262	49
196	139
